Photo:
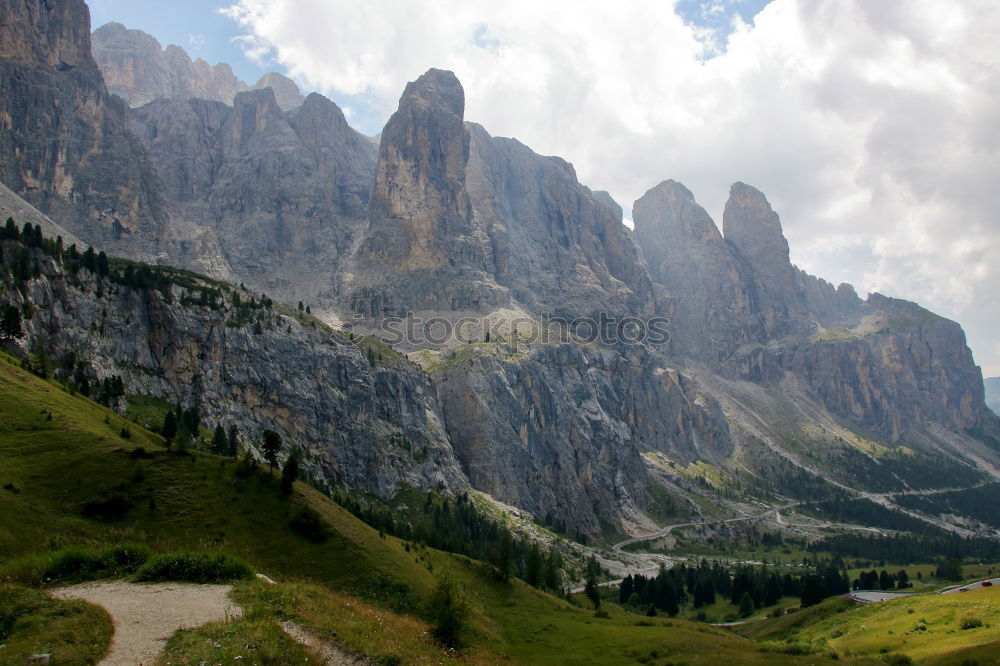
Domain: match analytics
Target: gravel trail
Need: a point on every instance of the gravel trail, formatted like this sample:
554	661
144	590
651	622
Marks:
145	616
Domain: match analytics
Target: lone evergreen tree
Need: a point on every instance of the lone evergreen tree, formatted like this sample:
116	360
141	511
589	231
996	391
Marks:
590	588
746	605
272	445
448	610
220	443
234	441
290	472
169	429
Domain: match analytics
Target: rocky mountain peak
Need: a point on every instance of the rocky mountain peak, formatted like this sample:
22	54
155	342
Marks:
670	209
285	91
139	70
436	89
753	227
39	32
65	145
707	282
419	197
604	197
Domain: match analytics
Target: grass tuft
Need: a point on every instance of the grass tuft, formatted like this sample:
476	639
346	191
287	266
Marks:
195	568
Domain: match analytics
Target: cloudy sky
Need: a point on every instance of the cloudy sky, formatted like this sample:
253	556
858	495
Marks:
873	127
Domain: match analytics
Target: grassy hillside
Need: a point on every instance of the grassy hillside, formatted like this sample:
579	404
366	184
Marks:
927	628
76	474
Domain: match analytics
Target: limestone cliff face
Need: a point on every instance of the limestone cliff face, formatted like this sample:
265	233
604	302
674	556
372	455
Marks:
374	428
912	369
559	430
715	299
557	247
45	34
885	365
463	221
139	70
419	250
64	141
286	93
266	197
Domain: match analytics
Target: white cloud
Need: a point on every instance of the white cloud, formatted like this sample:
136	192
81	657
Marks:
872	126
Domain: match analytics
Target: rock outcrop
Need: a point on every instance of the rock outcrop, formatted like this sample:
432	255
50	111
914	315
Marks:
462	221
908	370
375	427
716	310
65	145
556	246
139	70
885	365
266	197
419	250
286	93
560	430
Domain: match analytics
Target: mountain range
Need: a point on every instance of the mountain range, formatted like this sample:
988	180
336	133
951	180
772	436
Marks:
778	383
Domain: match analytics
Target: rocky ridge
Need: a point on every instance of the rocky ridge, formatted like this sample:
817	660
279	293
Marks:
65	144
262	196
374	427
446	220
139	70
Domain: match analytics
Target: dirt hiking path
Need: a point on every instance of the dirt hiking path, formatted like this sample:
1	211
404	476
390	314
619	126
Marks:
145	616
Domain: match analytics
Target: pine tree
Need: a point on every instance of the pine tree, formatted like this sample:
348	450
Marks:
448	610
625	590
10	230
503	558
553	570
169	429
290	472
533	566
234	441
272	445
746	605
590	588
220	443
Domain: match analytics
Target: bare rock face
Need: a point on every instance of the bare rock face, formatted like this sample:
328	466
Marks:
376	428
15	208
267	197
45	34
560	430
463	221
419	250
882	364
911	370
139	70
286	93
715	299
558	247
65	145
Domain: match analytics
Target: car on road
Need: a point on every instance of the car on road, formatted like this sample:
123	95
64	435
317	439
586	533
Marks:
987	583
